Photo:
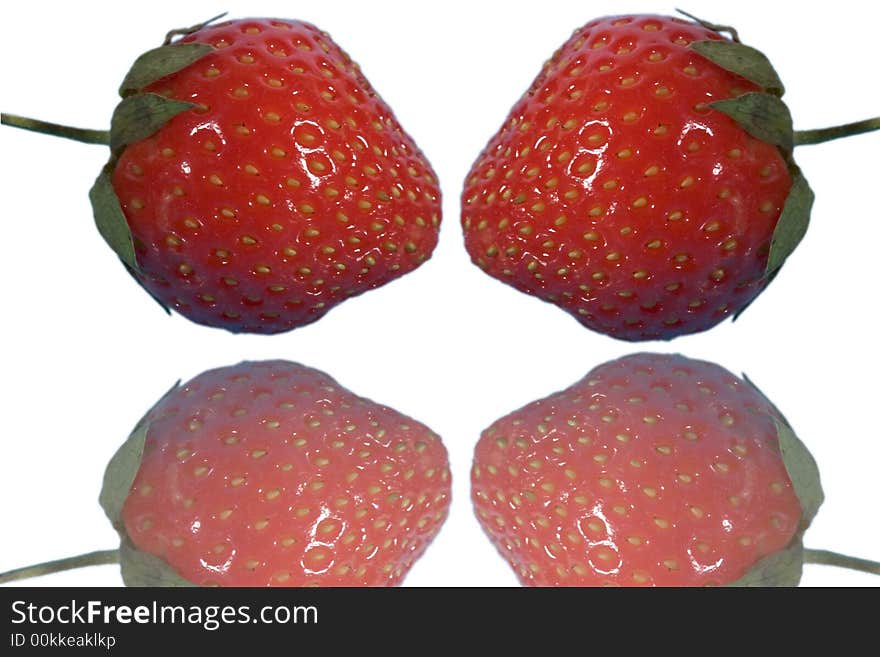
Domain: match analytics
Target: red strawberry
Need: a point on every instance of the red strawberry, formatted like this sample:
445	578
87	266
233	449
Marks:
272	474
653	469
256	179
289	188
617	190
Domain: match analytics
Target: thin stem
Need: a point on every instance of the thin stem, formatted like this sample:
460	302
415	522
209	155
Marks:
183	31
56	129
829	558
821	135
713	26
97	558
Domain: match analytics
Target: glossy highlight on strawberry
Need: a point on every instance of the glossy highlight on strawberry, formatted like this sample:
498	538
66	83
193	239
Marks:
615	191
271	474
288	188
653	469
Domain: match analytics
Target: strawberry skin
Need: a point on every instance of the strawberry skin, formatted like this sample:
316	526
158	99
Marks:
272	474
289	189
614	191
651	470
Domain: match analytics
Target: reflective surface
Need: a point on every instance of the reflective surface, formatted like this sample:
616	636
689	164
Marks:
652	470
271	474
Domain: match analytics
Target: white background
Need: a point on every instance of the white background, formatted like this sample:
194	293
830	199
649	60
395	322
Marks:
84	352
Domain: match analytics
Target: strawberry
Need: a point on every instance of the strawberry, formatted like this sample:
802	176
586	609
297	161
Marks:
651	470
272	474
626	185
256	178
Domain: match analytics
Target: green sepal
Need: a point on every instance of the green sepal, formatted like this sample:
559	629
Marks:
123	466
763	116
160	62
139	116
803	472
793	222
138	568
782	568
110	219
799	463
143	569
120	474
743	60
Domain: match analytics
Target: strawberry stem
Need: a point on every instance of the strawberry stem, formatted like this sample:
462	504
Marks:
713	26
829	558
97	558
183	31
57	130
821	135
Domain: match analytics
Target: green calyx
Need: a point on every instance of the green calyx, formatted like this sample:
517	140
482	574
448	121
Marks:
155	64
110	219
138	568
784	568
120	473
743	60
140	115
802	471
765	116
793	222
143	569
